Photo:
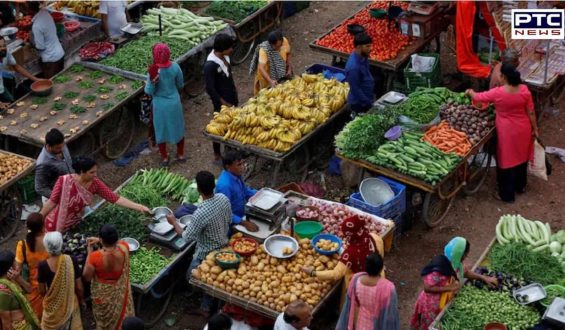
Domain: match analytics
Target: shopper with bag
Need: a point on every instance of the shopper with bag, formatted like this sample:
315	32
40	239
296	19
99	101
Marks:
516	128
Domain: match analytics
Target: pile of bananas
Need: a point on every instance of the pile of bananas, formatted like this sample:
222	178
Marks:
279	117
84	8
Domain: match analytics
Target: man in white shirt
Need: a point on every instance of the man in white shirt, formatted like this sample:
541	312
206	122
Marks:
296	316
44	33
8	63
114	16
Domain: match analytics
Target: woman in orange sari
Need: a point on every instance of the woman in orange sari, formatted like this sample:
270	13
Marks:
108	269
31	252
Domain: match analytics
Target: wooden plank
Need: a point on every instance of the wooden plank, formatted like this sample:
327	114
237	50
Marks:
36	136
21	174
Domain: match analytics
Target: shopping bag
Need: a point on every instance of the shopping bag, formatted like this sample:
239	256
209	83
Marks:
536	166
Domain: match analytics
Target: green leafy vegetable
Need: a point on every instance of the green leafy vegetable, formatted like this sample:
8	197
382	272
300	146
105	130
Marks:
104	89
108	106
76	68
95	74
61	79
115	79
39	100
145	195
129	223
122	96
89	98
76	109
137	84
57	106
70	95
234	10
85	84
145	264
423	105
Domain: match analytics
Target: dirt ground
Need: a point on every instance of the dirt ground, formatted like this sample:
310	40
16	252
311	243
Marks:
473	217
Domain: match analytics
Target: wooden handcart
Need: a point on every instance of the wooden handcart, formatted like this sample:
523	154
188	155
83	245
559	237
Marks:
10	201
468	176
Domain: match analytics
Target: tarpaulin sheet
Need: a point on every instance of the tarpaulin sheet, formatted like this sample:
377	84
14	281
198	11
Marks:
467	61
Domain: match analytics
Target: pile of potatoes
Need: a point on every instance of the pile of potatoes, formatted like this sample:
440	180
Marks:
10	166
269	281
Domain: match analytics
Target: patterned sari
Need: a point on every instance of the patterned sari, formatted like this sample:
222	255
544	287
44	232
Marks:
60	305
113	302
70	209
30	321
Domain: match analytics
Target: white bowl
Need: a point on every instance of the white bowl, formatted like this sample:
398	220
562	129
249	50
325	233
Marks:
133	244
275	244
375	191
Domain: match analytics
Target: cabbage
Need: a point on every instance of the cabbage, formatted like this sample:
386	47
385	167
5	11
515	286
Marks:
555	247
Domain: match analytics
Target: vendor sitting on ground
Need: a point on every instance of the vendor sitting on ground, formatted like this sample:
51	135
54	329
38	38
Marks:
209	227
73	192
8	63
53	162
296	316
230	183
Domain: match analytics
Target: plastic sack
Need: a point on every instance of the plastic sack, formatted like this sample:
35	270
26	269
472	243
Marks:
536	166
422	63
409	124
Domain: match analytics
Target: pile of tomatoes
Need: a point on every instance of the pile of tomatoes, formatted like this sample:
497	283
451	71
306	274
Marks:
387	41
24	25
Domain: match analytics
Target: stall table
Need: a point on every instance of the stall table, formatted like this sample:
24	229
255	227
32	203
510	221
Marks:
469	175
10	202
114	136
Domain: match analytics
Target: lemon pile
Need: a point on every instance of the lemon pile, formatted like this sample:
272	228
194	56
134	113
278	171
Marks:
279	117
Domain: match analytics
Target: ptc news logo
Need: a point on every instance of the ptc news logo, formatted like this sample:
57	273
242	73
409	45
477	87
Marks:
538	24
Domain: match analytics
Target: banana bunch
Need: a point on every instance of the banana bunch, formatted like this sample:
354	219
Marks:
279	117
84	8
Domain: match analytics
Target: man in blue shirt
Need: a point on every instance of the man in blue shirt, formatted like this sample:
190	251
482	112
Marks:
230	183
359	77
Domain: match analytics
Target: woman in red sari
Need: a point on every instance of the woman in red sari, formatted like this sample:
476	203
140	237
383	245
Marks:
73	192
515	128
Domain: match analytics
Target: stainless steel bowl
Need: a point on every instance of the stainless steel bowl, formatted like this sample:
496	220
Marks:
275	244
185	220
159	213
133	244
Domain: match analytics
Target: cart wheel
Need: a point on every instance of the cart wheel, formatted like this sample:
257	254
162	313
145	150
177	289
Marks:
241	51
195	84
84	145
10	213
116	133
478	172
151	309
435	209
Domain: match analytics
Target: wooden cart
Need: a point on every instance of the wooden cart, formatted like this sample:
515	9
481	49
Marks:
113	136
468	176
390	67
10	201
249	29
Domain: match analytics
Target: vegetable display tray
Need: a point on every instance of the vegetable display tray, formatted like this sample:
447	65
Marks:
266	199
555	313
529	294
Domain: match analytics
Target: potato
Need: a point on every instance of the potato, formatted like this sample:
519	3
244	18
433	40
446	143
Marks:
312	302
331	264
210	263
286	279
319	268
196	273
211	256
293	297
254	260
281	269
204	268
323	259
241	270
304	241
260	266
274	261
216	270
317	263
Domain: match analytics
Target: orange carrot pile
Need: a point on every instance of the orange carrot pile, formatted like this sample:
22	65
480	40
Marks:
447	139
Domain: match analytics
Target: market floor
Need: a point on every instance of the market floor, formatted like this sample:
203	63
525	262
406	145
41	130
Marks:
472	217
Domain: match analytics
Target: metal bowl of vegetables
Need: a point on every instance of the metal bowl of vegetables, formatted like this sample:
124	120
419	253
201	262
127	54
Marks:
132	243
161	212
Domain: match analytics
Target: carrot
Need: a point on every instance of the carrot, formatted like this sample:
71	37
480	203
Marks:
447	139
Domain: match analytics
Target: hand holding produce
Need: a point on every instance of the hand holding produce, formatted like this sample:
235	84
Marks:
447	139
465	118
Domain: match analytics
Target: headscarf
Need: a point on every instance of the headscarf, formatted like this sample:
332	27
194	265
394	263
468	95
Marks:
161	59
277	66
6	261
360	244
441	265
454	251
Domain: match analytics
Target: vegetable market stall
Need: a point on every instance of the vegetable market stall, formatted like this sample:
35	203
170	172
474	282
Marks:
433	161
154	269
279	122
390	49
12	168
523	253
248	19
189	37
81	98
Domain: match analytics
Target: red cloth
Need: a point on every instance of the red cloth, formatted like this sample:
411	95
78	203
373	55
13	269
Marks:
513	127
161	59
360	244
490	21
467	61
252	319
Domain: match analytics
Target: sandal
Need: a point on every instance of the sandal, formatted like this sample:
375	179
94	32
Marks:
180	160
164	163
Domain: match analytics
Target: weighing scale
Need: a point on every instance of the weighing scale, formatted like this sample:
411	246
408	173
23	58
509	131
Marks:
167	238
267	209
423	7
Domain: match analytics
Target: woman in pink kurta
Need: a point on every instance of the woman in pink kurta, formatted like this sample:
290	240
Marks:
515	127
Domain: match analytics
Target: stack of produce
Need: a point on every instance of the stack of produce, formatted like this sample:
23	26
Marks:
181	24
506	283
165	182
409	155
80	7
423	105
363	135
279	117
236	11
465	118
145	264
129	223
447	139
269	281
24	26
75	246
473	308
135	55
553	291
388	41
11	165
534	234
331	215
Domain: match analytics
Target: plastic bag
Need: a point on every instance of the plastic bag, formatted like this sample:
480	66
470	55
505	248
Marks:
410	124
536	166
422	63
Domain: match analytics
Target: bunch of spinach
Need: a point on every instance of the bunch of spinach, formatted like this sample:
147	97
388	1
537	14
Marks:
236	11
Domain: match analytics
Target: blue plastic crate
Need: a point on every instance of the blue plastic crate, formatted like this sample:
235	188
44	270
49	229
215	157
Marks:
330	72
391	210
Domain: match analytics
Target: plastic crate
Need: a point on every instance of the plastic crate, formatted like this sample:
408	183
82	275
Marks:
319	68
391	210
26	187
414	80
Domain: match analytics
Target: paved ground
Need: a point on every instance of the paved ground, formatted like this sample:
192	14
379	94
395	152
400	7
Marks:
472	217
